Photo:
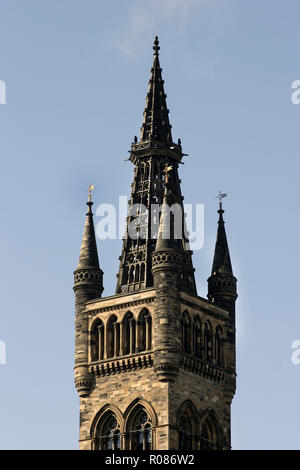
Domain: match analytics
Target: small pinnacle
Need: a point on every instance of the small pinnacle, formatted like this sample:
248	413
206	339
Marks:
91	187
88	257
90	203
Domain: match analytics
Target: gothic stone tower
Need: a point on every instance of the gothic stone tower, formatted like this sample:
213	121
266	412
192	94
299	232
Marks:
155	363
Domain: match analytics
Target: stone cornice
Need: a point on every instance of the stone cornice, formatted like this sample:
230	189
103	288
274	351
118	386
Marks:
204	306
120	301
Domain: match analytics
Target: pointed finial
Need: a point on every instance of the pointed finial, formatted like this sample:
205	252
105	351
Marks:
91	187
90	202
156	46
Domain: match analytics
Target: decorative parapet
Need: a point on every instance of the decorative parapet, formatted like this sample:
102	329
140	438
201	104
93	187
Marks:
203	368
151	148
166	258
88	276
122	364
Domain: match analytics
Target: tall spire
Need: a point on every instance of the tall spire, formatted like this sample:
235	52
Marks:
151	156
221	263
156	125
88	257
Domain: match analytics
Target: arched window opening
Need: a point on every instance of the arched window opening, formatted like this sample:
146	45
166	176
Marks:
108	433
188	429
185	333
140	171
205	443
207	342
113	337
131	274
144	331
97	341
140	432
125	275
137	273
219	347
129	333
142	272
210	436
197	338
185	434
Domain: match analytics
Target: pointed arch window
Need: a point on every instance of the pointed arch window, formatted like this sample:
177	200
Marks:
197	338
186	333
137	273
210	435
185	434
113	337
140	430
97	341
129	334
131	274
144	331
205	443
188	428
125	275
108	433
207	342
219	346
142	272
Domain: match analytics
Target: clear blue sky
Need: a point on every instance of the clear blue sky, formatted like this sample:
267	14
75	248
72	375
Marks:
76	74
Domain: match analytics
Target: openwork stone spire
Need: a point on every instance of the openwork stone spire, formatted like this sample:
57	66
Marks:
151	156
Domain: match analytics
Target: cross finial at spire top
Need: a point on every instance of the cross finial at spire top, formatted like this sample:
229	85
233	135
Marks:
156	46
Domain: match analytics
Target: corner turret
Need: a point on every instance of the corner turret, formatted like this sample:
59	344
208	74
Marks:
88	285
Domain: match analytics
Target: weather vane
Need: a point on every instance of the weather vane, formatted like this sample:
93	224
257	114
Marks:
221	196
91	187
